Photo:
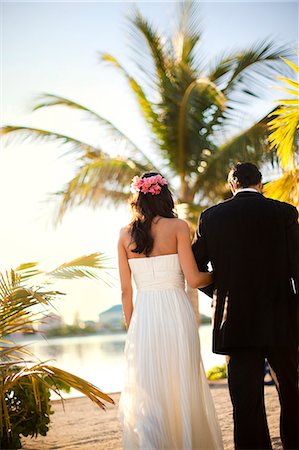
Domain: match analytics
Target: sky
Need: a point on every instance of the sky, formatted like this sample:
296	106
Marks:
53	47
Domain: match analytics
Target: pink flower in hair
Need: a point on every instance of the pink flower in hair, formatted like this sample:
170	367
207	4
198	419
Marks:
136	184
150	185
155	189
144	188
147	182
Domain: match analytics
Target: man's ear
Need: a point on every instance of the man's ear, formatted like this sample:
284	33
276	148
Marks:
260	186
232	186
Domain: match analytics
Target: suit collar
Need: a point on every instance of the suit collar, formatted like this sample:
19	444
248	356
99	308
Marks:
248	189
247	194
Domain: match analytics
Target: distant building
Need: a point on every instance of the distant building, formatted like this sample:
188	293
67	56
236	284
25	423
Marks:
112	319
90	323
49	322
205	319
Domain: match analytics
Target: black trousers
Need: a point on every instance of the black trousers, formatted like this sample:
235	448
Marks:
246	387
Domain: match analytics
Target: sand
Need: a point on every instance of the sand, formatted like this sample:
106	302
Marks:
82	425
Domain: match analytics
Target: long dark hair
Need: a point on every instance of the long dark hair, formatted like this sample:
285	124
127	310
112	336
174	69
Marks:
144	208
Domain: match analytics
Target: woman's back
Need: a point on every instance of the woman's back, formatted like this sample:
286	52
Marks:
164	234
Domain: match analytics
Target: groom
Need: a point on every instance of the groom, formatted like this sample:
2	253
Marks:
252	244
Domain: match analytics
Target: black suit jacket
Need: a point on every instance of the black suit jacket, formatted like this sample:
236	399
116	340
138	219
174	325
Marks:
252	244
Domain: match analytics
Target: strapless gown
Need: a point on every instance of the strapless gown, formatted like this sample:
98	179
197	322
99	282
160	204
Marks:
166	402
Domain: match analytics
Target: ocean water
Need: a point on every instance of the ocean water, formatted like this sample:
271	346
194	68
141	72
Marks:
100	358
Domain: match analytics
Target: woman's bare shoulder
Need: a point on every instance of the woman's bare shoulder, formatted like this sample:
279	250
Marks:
124	234
178	224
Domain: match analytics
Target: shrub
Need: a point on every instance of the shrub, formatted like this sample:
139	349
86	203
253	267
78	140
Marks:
25	384
217	372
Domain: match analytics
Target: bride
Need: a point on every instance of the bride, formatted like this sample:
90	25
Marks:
166	402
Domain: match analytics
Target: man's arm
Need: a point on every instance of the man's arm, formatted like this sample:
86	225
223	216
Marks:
292	228
292	232
201	254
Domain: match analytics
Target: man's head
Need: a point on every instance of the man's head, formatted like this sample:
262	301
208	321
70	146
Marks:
245	175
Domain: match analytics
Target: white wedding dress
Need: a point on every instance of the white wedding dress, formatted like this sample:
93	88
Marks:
166	402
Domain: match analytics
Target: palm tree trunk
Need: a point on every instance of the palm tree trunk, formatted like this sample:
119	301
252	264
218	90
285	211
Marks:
183	188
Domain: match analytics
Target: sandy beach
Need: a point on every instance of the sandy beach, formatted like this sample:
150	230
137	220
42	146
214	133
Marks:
82	425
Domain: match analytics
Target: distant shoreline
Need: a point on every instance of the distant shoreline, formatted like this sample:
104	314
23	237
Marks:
41	336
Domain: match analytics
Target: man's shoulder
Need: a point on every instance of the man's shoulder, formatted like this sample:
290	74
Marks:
284	207
216	208
215	212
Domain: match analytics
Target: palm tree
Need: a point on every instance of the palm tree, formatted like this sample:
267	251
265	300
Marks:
22	305
284	129
189	106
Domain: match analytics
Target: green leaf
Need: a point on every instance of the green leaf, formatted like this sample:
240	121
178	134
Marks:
285	188
22	133
47	100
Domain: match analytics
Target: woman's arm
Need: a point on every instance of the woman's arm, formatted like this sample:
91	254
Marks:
125	280
201	253
194	278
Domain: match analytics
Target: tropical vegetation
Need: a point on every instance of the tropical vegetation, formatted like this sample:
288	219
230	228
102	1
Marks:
25	383
217	372
283	126
190	106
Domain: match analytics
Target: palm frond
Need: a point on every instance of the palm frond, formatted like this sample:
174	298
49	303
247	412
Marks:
47	100
187	36
41	371
22	133
250	145
13	354
81	385
16	303
99	182
141	27
242	74
285	124
96	260
219	69
289	81
203	87
81	267
146	107
19	312
283	134
292	65
27	271
285	188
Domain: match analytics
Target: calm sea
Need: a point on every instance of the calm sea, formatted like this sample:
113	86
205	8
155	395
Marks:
99	358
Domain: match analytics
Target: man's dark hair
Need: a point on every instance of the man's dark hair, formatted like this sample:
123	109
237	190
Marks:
245	174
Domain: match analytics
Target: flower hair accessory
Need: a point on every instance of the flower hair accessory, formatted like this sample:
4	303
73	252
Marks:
147	185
